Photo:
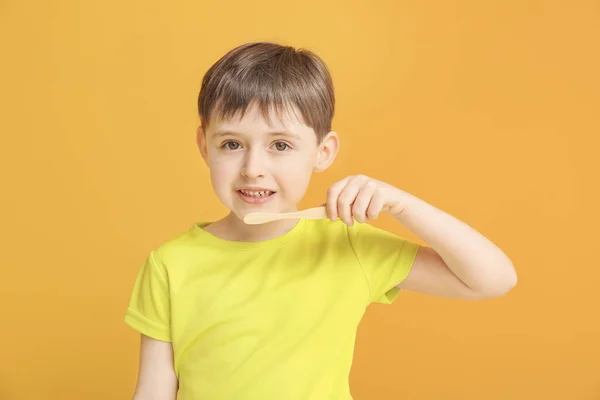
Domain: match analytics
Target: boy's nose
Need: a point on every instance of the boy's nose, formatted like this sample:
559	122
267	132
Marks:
253	166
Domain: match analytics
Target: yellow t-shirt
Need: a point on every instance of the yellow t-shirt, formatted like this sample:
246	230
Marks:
267	320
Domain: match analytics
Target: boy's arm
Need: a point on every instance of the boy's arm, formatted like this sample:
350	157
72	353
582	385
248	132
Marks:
156	377
460	263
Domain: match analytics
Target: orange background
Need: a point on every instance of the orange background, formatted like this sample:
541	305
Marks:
487	110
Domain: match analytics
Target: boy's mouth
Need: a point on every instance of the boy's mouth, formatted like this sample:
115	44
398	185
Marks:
256	193
255	196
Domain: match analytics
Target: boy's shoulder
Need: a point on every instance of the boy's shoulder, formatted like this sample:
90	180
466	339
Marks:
180	243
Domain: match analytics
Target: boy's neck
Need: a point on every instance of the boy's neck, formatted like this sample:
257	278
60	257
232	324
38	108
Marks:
234	229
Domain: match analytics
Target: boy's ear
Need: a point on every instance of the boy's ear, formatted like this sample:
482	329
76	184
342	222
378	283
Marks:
201	141
327	151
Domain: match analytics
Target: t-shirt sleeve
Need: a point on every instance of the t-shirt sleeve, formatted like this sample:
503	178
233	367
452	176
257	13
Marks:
386	259
149	310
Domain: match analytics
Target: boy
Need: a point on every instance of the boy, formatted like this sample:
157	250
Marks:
234	311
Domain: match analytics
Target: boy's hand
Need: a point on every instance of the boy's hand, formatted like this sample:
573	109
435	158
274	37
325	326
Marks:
362	198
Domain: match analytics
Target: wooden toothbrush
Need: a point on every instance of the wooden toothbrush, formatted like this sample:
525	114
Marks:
264	217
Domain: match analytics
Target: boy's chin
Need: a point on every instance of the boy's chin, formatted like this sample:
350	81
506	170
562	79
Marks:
241	211
239	214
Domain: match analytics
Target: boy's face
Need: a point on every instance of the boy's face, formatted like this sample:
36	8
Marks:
263	165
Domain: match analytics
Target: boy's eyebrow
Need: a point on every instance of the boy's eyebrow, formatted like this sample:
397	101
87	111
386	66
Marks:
273	133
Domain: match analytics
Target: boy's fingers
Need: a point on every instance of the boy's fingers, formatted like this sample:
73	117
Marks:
332	198
375	206
362	201
345	201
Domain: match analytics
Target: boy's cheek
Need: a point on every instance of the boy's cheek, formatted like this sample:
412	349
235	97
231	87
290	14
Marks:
296	182
222	173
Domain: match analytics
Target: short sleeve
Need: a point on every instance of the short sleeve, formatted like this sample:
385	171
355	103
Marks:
149	310
386	259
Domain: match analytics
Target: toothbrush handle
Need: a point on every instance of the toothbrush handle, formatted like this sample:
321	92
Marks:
312	213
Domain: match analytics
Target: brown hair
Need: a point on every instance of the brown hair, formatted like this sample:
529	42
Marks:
270	75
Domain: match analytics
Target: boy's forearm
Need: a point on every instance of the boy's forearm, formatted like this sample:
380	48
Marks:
473	258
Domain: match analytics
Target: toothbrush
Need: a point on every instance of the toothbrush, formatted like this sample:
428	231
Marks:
264	217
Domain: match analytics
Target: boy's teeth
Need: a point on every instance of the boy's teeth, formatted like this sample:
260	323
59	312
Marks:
261	193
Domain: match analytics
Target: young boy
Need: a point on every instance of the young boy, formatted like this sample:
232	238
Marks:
235	311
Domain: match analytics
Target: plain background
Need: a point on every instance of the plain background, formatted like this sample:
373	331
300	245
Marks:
488	110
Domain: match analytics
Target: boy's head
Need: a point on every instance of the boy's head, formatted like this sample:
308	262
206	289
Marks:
266	112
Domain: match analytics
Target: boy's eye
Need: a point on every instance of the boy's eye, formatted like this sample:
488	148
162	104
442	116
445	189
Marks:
281	146
232	145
